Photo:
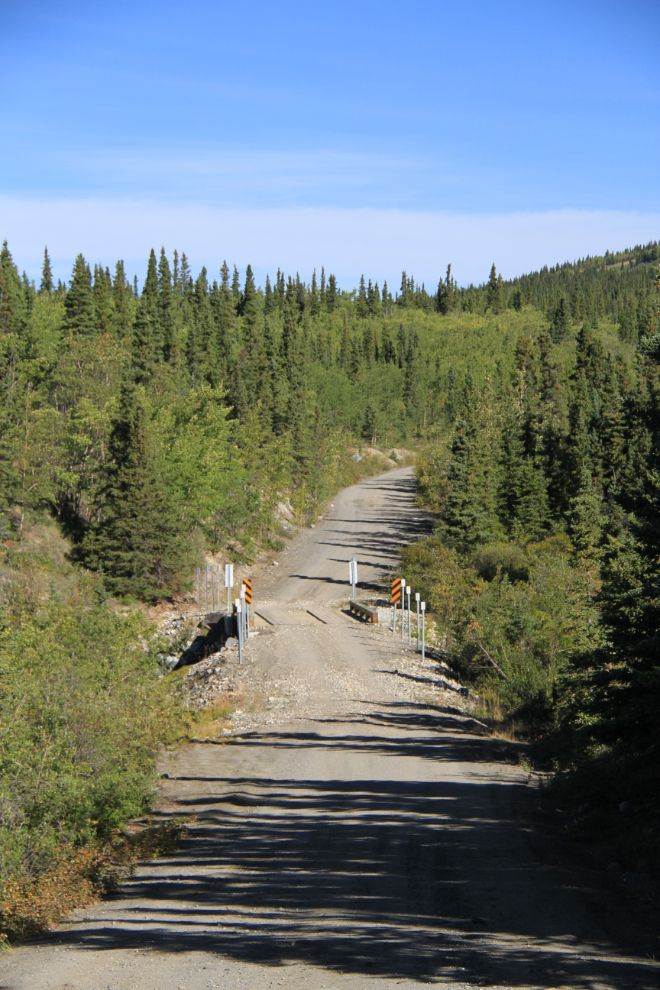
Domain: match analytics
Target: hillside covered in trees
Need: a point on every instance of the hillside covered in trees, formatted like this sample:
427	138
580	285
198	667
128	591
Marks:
144	427
151	423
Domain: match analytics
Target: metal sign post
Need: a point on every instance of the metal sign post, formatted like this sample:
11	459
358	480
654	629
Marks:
239	624
212	568
206	588
229	584
395	599
403	608
423	628
352	574
199	593
417	601
408	590
248	601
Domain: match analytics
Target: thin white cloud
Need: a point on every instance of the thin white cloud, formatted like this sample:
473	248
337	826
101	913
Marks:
378	243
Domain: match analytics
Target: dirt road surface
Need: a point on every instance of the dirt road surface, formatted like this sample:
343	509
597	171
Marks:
355	830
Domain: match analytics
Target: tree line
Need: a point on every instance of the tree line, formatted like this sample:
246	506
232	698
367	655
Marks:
544	569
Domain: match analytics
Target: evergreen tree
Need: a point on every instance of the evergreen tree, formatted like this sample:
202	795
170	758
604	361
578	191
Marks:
532	510
498	307
236	289
46	275
13	309
386	297
249	295
165	303
104	310
186	278
370	423
458	522
79	303
492	290
136	542
445	295
150	288
361	307
269	304
176	277
331	294
560	322
144	358
121	295
584	522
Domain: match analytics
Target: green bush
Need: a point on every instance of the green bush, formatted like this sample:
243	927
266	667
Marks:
83	713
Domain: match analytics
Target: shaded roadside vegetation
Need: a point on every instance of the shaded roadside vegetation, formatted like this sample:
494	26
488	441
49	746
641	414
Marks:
83	715
543	573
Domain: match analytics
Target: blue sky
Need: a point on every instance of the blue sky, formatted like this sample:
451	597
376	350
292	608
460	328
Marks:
365	137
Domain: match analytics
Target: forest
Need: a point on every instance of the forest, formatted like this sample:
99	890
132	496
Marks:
144	427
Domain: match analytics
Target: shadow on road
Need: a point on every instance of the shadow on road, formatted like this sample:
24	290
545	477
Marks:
402	877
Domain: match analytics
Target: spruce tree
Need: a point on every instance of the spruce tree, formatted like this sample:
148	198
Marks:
491	289
585	523
13	309
361	307
386	299
444	296
79	303
498	306
236	289
314	298
46	275
165	300
268	298
144	357
560	322
121	294
331	294
249	294
150	287
186	278
104	310
136	542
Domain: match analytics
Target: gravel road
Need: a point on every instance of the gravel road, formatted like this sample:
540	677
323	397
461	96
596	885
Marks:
355	828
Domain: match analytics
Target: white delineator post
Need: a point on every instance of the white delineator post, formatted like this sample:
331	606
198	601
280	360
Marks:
229	583
408	590
423	628
244	612
352	574
239	626
417	601
199	593
403	607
